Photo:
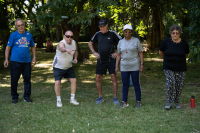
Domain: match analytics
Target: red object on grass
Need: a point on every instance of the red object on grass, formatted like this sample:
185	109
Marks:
192	101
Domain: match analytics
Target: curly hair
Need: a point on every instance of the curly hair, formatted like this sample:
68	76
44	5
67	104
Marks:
175	27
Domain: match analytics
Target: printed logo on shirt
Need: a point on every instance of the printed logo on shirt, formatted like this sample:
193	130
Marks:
23	42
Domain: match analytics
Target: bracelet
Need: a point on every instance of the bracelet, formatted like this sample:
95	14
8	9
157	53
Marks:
93	52
142	63
34	57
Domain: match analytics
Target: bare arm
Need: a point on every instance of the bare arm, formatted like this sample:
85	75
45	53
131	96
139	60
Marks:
7	52
90	44
61	47
161	53
34	55
141	60
117	62
76	54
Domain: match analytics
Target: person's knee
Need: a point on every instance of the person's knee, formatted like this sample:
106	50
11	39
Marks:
98	78
57	83
113	77
73	81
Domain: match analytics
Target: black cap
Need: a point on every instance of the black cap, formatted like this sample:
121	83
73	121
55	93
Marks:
102	22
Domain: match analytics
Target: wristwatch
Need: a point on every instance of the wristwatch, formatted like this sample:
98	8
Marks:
142	63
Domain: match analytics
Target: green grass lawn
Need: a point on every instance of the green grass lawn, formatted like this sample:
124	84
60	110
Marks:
43	116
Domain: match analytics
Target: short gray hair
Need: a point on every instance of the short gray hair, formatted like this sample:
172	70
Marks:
175	27
19	19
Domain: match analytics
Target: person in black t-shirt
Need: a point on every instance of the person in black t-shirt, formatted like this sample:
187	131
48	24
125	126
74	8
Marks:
174	51
105	57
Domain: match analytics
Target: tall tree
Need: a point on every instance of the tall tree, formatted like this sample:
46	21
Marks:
72	14
4	24
194	29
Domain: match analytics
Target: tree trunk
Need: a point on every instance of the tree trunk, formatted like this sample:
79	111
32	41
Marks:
58	33
48	35
40	40
93	28
157	27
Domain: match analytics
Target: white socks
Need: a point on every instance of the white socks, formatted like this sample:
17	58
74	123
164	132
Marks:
72	96
58	98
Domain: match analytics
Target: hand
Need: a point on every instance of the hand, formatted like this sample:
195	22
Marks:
75	60
114	55
34	61
141	68
116	70
69	51
6	63
97	55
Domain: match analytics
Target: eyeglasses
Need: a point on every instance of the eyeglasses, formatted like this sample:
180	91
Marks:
69	36
127	32
175	33
20	25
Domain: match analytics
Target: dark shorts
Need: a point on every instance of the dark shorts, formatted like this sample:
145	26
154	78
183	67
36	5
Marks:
102	68
60	73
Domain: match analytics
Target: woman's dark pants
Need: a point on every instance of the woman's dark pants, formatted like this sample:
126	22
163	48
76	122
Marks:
125	84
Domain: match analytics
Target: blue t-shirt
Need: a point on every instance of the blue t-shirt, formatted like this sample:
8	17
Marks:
20	44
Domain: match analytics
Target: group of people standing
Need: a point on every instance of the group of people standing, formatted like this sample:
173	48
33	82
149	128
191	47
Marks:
129	55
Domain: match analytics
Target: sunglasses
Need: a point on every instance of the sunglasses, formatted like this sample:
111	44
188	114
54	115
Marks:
20	25
69	36
175	33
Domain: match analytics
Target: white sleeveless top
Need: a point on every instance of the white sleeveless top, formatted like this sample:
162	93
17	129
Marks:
62	60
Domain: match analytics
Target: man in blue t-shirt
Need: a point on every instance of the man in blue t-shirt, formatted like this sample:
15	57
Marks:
20	41
105	57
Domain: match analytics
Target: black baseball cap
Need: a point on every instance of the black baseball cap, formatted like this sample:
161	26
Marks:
102	22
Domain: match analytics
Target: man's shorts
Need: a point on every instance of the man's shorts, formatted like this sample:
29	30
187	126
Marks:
60	73
101	68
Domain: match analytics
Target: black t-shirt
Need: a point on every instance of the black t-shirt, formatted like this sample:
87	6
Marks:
106	44
174	54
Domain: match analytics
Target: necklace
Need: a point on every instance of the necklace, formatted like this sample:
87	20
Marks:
126	48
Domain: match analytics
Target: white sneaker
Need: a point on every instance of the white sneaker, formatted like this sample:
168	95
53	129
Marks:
73	101
59	104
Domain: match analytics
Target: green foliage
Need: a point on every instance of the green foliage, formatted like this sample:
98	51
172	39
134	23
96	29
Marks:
194	30
55	9
141	29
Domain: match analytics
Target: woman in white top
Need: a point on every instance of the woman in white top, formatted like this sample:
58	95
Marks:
130	54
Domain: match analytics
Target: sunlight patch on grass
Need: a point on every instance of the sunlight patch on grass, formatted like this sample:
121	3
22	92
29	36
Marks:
50	81
5	85
88	81
153	59
43	65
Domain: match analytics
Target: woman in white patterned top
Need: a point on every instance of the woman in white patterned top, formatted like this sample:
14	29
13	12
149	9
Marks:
130	54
